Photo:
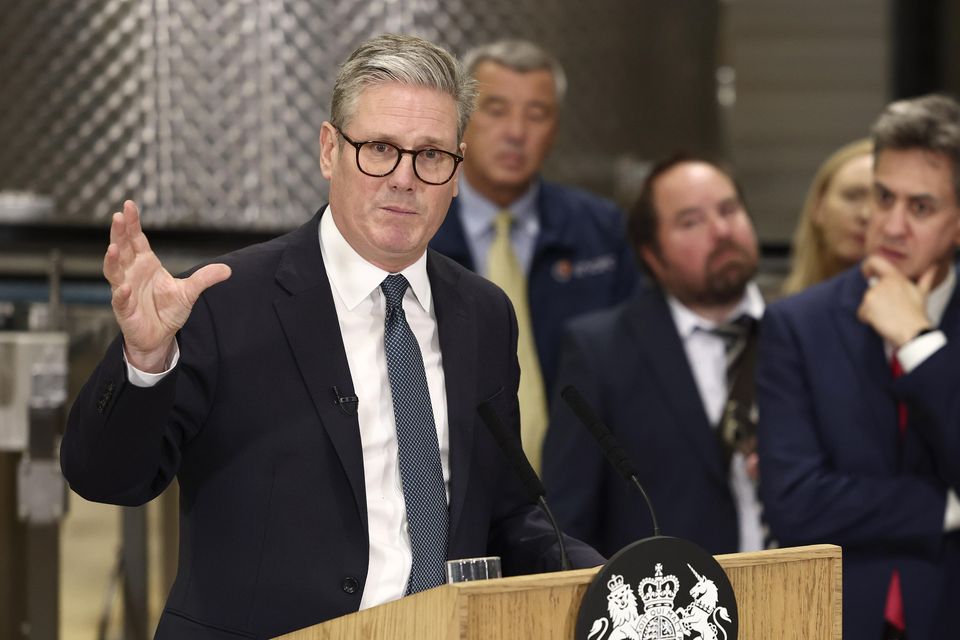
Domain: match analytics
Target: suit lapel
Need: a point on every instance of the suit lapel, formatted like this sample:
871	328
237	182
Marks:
458	345
309	320
656	335
868	360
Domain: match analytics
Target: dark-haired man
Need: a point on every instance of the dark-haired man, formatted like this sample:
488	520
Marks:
660	370
859	393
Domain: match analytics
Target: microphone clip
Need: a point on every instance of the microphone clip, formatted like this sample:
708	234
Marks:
347	404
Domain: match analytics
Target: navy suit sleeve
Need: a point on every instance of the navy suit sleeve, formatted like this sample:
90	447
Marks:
123	443
932	393
807	497
573	466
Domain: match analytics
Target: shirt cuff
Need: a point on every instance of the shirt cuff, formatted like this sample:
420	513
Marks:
912	354
146	380
951	519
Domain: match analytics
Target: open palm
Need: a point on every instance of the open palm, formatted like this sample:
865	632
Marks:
150	304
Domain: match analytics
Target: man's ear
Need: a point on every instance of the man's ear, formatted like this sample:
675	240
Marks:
651	261
329	149
456	174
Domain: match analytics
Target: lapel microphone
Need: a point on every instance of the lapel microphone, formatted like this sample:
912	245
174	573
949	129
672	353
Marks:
346	404
510	445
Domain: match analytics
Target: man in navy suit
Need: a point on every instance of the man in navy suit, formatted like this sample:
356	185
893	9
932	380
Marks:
570	246
655	369
275	396
859	393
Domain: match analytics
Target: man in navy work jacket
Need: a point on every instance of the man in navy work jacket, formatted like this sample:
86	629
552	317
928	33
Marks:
859	393
318	404
569	246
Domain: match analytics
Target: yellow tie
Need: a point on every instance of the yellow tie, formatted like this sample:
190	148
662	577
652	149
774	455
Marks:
504	270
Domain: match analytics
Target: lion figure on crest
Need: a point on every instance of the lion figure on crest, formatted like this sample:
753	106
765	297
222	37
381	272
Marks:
700	616
623	611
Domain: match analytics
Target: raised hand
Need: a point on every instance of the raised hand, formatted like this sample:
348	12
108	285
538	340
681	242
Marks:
893	305
150	304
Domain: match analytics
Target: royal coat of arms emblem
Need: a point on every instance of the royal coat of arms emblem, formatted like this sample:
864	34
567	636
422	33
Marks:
662	606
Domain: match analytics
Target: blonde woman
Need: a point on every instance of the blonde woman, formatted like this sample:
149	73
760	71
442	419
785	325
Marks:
830	234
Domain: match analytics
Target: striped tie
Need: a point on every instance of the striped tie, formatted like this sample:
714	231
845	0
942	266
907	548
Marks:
735	335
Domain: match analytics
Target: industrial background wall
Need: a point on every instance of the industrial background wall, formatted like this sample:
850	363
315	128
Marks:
208	111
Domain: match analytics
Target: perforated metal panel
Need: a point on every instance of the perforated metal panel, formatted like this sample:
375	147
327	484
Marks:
207	112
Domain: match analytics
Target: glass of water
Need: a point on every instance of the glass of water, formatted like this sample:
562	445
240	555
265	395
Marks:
468	569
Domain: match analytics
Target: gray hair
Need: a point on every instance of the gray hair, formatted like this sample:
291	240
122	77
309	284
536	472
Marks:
521	56
929	123
405	59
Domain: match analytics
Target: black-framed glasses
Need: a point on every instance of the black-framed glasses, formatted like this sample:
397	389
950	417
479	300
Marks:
378	159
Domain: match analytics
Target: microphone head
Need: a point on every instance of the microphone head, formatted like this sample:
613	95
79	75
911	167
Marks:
607	441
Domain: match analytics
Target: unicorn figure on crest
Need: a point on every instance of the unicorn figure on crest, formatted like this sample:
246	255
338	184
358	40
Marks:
700	616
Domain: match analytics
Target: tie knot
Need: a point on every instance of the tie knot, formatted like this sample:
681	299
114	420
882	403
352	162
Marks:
393	288
734	330
503	222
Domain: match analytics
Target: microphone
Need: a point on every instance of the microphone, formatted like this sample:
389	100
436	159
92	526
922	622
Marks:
346	404
510	445
608	444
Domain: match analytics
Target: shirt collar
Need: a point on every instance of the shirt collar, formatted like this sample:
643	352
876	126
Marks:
354	278
482	212
687	321
939	298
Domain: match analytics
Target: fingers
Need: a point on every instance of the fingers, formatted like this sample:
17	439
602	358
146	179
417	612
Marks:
134	231
877	267
204	278
112	270
121	300
131	215
127	234
925	283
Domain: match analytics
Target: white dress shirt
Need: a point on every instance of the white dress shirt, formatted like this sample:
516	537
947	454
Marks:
361	311
706	353
478	216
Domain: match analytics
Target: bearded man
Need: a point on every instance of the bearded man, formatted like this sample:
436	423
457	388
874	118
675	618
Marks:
670	372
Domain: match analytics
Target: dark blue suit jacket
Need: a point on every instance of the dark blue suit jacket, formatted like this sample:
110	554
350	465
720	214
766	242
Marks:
832	469
582	262
273	518
629	363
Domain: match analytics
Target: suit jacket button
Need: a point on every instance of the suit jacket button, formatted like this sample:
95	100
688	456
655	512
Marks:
350	585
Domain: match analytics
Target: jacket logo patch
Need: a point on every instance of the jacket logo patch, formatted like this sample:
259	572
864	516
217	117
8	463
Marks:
565	270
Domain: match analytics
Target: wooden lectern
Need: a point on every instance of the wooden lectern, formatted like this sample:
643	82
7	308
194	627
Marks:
782	593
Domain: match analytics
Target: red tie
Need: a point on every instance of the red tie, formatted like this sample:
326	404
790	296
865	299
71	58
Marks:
895	627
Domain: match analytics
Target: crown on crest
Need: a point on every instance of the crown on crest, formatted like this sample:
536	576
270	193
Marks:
616	584
659	590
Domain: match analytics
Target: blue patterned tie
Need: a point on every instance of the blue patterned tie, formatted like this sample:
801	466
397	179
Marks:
419	453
